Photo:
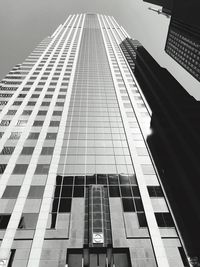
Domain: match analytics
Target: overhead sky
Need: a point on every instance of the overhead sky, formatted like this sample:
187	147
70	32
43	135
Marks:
24	23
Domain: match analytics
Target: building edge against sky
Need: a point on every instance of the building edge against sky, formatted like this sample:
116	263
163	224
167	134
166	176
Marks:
78	183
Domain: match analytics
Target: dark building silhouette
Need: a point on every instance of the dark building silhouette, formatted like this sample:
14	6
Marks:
183	40
174	141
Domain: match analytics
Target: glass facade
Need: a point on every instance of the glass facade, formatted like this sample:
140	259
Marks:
78	185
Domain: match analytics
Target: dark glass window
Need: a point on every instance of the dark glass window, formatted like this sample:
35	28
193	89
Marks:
42	169
2	168
155	191
114	191
128	205
51	136
36	192
45	104
142	219
31	103
124	179
42	112
102	179
7	150
27	150
27	112
65	205
20	169
35	95
78	191
15	135
47	150
66	191
38	123
113	179
11	112
5	122
4	220
68	180
135	191
79	180
28	221
54	123
126	191
90	179
59	104
21	122
17	103
164	219
33	135
11	192
57	113
138	204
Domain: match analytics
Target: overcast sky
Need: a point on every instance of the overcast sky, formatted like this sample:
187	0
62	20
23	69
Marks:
25	23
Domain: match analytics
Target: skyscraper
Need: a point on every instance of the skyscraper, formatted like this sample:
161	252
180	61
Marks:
78	184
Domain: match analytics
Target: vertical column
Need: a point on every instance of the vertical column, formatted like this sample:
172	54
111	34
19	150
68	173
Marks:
158	245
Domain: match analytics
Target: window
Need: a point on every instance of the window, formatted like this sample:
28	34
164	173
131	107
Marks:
15	135
164	219
28	221
17	103
45	104
21	123
42	169
11	112
20	169
51	136
59	104
57	113
114	191
33	135
38	123
27	150
155	191
65	205
5	123
47	150
4	220
36	192
42	112
54	123
142	219
11	192
2	168
31	103
7	150
27	112
128	205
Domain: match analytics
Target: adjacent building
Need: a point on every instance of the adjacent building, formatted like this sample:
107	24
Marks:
78	183
174	139
183	39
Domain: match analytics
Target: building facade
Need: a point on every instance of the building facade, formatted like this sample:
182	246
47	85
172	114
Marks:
78	184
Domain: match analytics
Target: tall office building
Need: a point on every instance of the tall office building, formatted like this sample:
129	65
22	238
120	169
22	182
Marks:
78	184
